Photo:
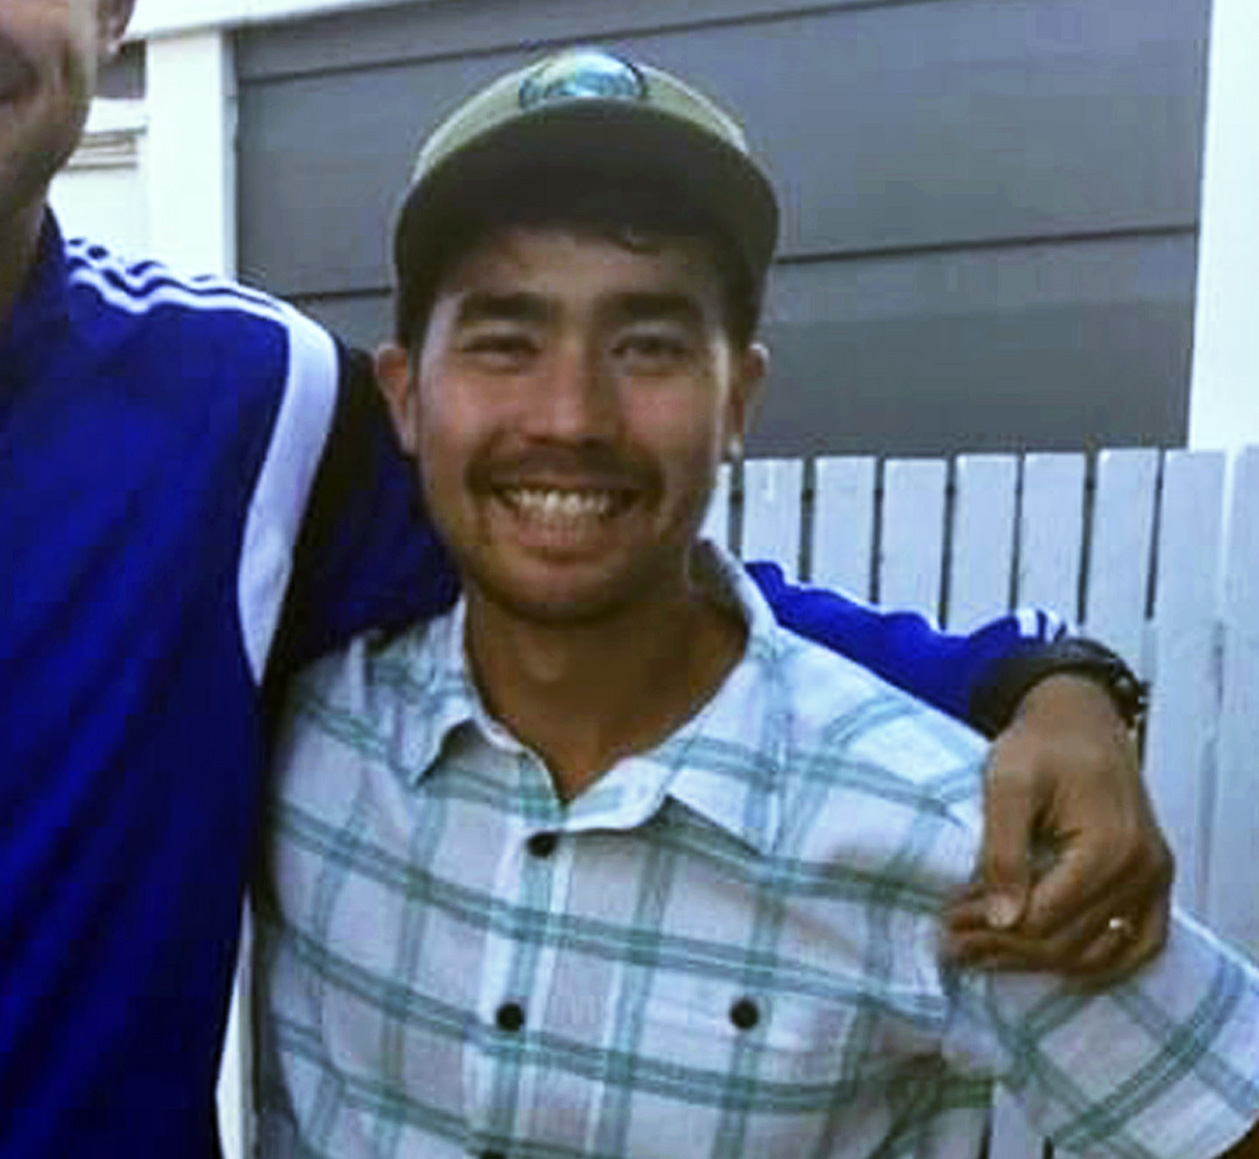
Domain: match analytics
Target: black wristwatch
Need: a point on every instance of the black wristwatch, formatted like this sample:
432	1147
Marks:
996	698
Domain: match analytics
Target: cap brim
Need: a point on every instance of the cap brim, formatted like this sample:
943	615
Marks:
602	136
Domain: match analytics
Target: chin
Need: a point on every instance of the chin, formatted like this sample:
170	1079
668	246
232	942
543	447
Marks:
559	610
556	602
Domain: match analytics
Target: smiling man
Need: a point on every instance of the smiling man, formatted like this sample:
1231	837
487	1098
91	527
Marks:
199	489
606	862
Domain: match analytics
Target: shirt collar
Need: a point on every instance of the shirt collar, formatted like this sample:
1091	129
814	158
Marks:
751	711
444	696
42	310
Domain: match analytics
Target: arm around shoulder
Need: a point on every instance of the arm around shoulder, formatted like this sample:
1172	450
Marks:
945	669
1063	772
368	556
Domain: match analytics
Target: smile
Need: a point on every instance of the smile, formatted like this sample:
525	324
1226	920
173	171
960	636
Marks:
554	505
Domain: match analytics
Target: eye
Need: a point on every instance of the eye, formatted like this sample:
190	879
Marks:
654	351
499	349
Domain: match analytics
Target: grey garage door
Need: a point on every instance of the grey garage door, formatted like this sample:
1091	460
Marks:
991	205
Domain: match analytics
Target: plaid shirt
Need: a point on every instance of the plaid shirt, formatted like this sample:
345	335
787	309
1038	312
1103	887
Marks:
726	946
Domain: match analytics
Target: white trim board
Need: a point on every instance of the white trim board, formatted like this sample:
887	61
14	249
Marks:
157	18
1224	389
190	152
112	138
117	116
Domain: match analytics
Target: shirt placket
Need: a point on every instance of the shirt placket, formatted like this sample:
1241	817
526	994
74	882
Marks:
513	987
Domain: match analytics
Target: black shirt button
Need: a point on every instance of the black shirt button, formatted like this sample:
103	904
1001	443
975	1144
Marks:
510	1017
744	1014
543	844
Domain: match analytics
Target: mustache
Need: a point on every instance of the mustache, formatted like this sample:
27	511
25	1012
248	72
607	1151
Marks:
16	71
594	465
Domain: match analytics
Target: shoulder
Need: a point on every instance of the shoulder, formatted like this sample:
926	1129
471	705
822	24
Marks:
144	287
369	714
845	717
872	779
844	741
190	326
367	671
375	685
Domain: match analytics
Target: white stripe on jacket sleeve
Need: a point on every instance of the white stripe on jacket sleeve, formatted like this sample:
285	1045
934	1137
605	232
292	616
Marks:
279	501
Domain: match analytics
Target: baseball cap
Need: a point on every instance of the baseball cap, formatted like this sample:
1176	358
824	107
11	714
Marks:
601	112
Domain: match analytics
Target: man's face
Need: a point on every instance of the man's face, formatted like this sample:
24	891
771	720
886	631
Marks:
569	406
49	52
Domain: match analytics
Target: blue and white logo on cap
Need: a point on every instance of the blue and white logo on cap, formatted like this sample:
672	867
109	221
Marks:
583	75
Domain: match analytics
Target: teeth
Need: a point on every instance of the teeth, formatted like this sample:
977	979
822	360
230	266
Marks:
552	504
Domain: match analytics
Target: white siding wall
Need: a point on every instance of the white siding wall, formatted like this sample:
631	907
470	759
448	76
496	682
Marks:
1224	400
102	192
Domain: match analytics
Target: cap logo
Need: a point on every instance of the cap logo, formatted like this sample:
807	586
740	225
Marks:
578	76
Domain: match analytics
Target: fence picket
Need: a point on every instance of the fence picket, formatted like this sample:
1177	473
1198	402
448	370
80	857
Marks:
1051	523
1232	877
912	553
1180	744
982	554
772	502
842	547
1119	558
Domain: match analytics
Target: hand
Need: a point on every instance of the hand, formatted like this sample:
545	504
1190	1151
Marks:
1070	843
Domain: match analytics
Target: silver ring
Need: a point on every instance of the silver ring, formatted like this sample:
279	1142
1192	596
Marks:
1121	928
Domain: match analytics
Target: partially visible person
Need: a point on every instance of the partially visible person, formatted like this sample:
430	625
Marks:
606	862
200	491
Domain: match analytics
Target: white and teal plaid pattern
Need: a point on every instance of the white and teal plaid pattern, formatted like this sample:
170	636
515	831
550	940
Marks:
727	947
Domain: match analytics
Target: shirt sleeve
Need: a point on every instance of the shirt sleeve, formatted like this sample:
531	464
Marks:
904	648
1163	1066
367	555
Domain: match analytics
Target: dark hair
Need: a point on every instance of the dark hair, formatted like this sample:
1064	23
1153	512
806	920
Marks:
633	209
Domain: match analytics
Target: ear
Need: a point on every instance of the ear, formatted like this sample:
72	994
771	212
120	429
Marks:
111	24
393	376
745	393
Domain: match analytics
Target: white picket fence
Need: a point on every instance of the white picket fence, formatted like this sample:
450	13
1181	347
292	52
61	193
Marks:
1155	553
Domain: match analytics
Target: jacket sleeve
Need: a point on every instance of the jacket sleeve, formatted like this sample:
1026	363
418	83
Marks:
945	669
367	555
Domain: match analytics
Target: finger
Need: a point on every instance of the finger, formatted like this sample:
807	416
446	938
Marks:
1107	964
1115	957
1085	887
1090	881
968	914
1117	952
1085	945
1009	821
968	909
1105	959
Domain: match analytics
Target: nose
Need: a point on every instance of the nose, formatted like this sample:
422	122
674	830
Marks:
576	399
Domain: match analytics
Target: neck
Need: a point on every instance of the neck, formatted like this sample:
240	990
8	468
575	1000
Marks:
583	696
19	243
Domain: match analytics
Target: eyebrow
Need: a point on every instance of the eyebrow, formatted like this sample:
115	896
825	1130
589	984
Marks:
488	306
657	306
633	306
